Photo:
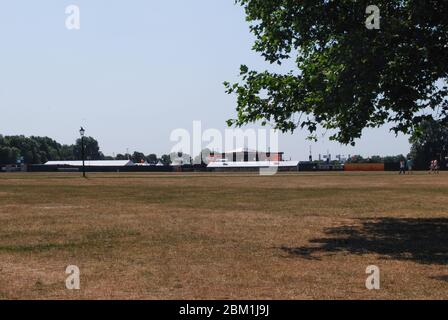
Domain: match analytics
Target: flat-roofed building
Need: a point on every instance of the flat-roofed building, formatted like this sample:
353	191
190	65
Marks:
244	155
246	159
253	164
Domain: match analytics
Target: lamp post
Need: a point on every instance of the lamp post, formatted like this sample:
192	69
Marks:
82	132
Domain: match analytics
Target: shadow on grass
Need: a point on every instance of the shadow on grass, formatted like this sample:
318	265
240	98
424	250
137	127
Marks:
441	278
423	241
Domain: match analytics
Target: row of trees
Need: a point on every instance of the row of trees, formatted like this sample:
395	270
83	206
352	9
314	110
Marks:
38	150
429	142
139	157
376	159
34	150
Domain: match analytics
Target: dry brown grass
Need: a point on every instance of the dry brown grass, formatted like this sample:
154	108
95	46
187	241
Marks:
223	236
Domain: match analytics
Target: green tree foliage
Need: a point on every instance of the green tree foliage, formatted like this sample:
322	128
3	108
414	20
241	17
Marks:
394	159
152	159
38	150
67	152
122	157
165	159
138	157
8	155
376	159
33	149
430	142
346	77
91	149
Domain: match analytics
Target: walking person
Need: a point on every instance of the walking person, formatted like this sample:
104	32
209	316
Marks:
436	167
402	167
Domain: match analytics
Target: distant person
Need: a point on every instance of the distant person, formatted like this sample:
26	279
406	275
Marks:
436	167
410	165
402	167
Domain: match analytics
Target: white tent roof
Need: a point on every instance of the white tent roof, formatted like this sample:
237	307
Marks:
142	164
92	163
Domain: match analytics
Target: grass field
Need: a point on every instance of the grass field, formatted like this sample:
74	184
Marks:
224	236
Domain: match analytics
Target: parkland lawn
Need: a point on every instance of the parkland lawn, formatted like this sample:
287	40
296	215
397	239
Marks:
224	236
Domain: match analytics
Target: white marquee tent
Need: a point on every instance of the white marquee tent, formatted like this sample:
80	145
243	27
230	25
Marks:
92	163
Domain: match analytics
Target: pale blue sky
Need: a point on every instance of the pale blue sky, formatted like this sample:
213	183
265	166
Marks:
135	71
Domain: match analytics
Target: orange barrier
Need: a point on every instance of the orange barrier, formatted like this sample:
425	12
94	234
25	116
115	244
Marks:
364	167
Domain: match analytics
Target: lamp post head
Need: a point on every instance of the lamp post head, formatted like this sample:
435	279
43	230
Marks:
82	132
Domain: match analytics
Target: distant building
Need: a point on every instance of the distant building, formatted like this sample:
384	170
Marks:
246	159
245	155
286	165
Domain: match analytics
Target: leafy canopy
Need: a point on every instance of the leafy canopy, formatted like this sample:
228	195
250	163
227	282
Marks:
430	143
347	77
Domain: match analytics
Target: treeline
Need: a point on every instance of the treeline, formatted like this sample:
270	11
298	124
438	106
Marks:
139	157
38	150
429	142
376	159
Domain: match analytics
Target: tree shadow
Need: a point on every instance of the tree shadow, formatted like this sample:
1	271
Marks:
441	278
423	241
